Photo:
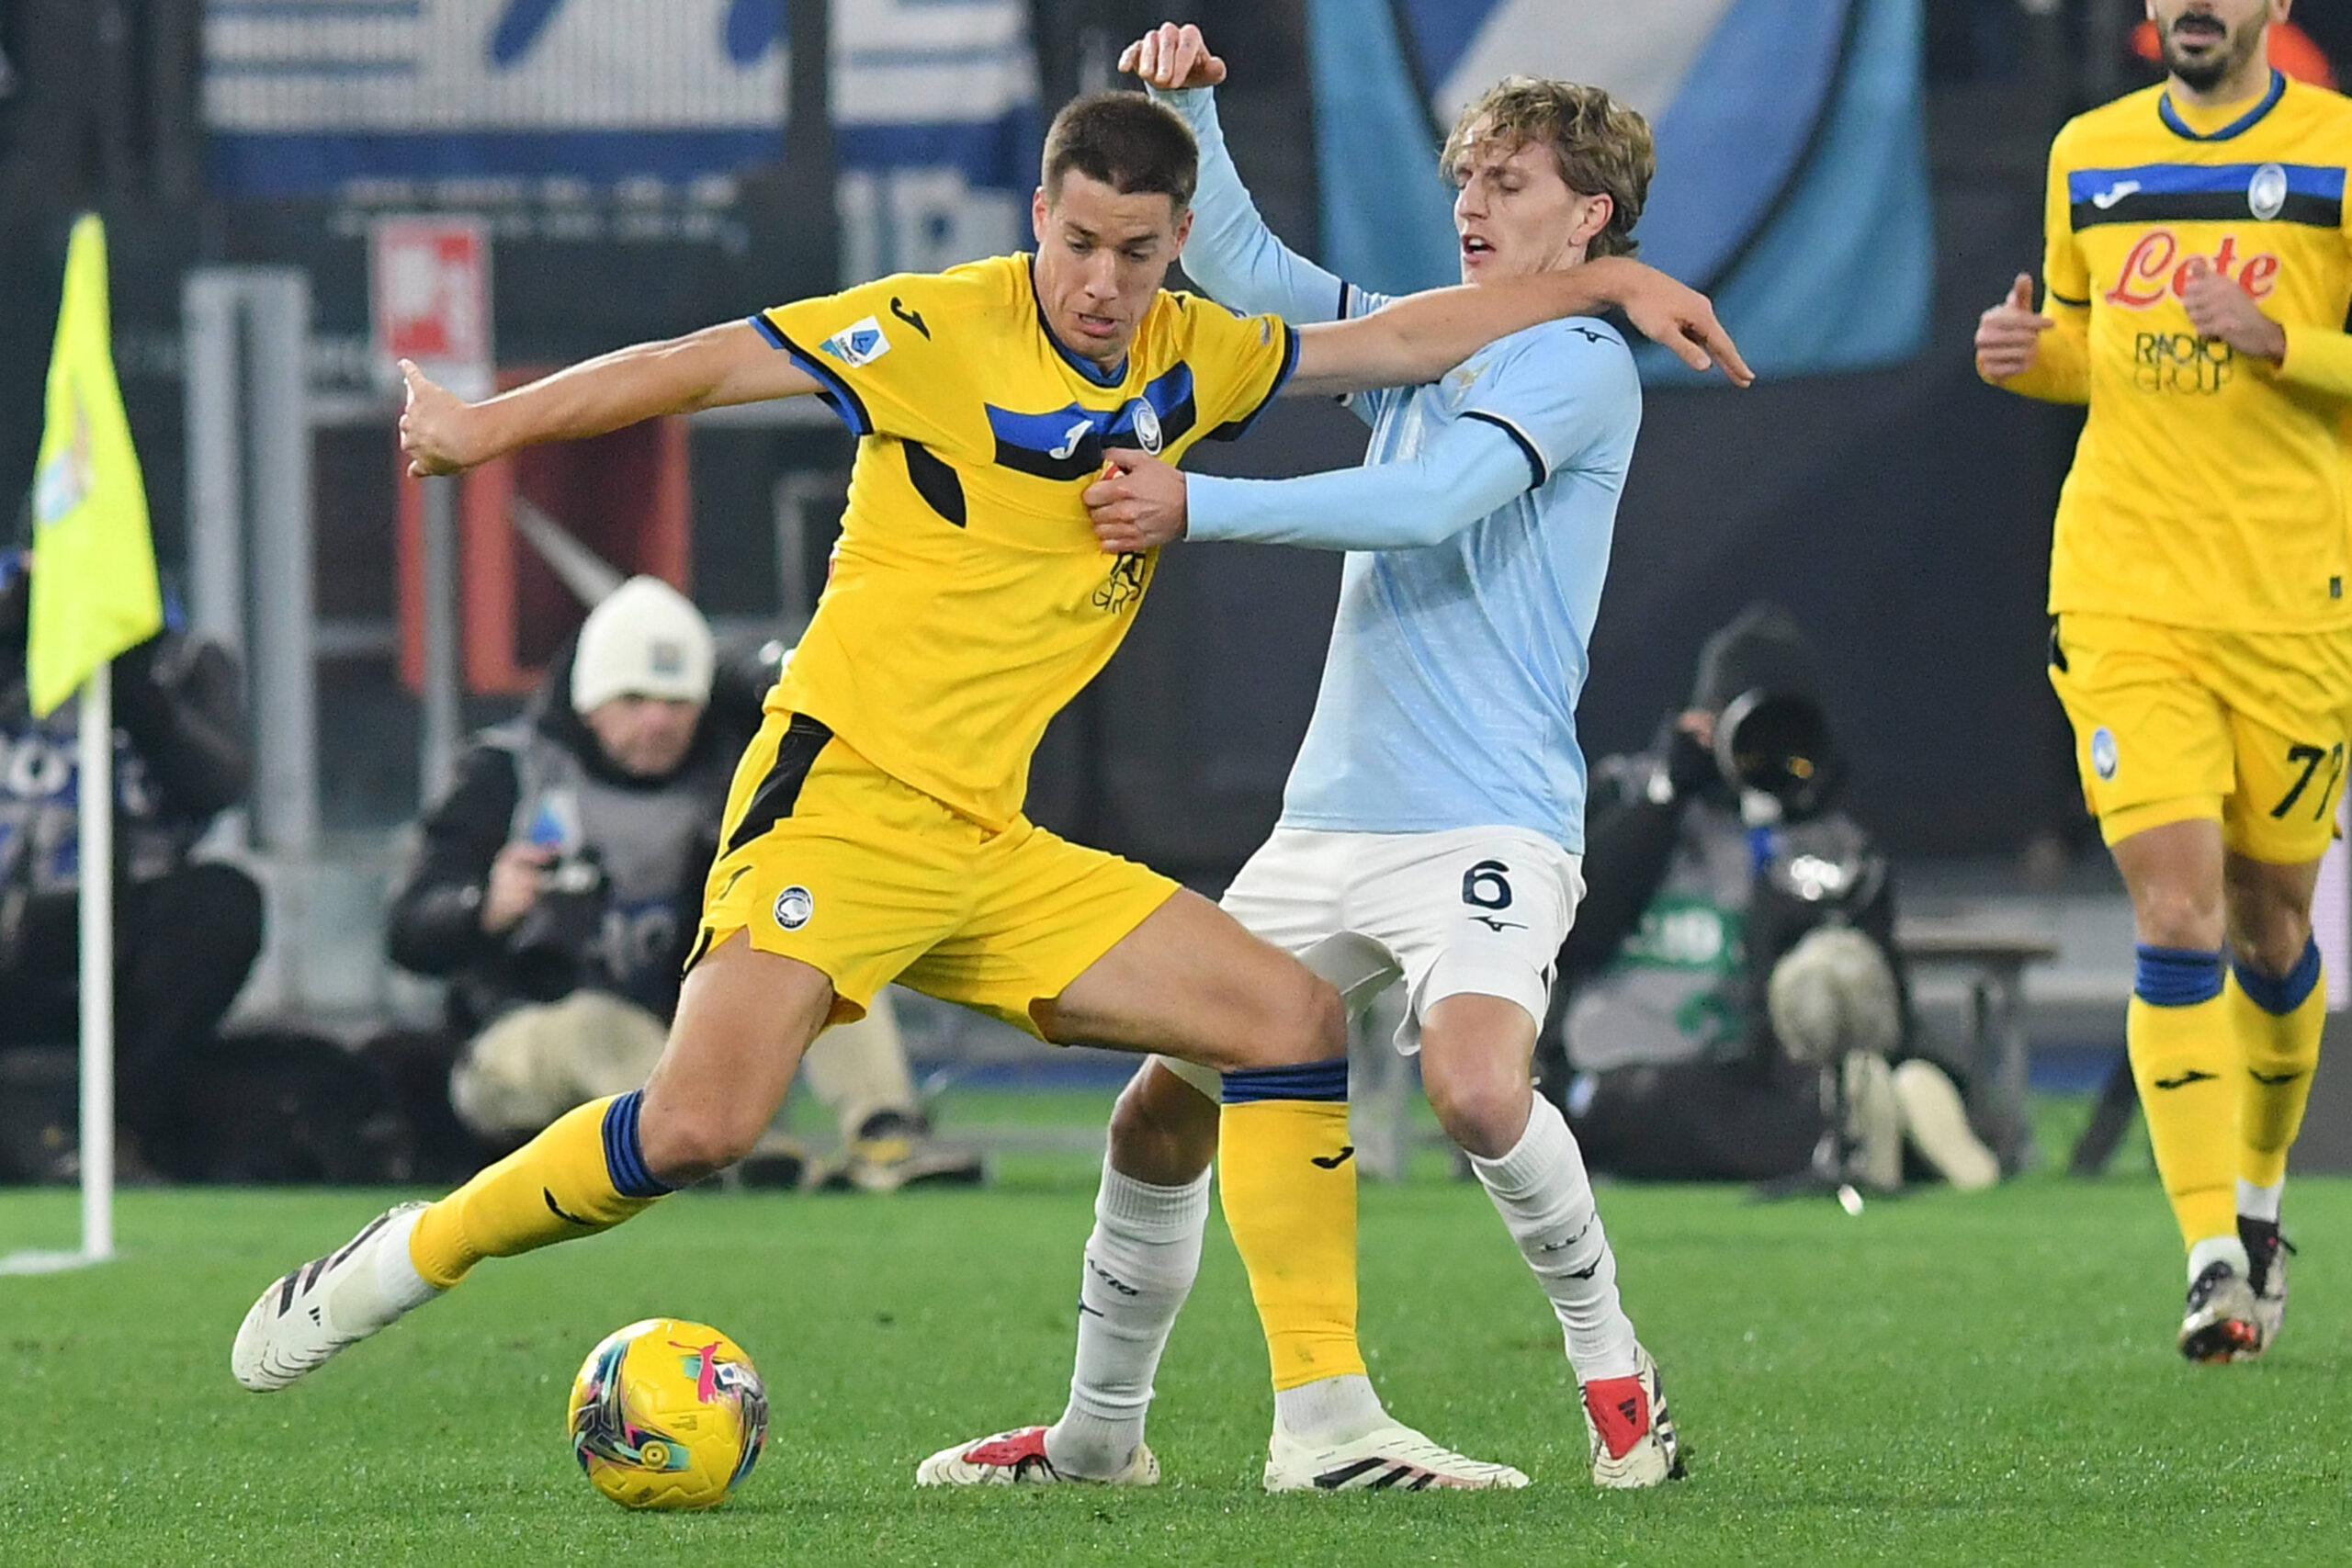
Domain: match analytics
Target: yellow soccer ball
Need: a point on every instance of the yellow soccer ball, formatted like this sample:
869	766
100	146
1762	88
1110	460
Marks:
667	1414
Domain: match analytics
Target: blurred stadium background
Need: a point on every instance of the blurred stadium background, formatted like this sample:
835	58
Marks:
1854	180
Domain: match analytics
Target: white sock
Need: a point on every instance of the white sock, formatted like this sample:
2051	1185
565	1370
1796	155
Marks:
2260	1202
1545	1198
2215	1249
1140	1261
1330	1410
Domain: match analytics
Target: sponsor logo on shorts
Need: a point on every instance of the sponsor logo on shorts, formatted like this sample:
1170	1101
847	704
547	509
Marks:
793	908
2103	758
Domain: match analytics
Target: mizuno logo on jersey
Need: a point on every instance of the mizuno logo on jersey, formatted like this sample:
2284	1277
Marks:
860	342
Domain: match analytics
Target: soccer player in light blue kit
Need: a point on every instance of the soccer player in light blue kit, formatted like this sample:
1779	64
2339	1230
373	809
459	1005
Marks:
1435	817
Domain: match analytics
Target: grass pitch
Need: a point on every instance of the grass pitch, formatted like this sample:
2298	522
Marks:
1945	1378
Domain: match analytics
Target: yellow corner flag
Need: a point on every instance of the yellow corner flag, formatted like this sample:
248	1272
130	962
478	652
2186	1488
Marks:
95	592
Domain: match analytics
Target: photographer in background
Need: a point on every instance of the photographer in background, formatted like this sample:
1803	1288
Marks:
185	935
1731	1006
556	885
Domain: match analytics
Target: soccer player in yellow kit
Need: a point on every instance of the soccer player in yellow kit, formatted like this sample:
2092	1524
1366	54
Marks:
874	831
2196	278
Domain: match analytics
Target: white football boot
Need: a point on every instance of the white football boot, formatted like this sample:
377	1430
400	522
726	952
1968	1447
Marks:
329	1302
1633	1440
2265	1252
2222	1321
1393	1457
1018	1456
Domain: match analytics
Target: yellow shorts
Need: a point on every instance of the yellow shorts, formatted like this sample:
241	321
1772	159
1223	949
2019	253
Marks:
825	858
2173	724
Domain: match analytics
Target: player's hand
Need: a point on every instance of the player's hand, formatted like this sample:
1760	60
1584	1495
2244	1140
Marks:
437	432
1677	315
2008	336
1137	503
2219	308
514	885
1169	57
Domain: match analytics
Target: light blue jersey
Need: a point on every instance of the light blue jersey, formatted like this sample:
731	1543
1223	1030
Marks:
1477	533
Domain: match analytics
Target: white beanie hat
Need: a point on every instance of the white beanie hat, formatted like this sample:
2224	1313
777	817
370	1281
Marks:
644	639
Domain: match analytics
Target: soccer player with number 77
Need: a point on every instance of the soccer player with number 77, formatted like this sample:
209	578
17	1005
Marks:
1430	832
2198	271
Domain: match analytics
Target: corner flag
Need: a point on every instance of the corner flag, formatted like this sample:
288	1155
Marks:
94	592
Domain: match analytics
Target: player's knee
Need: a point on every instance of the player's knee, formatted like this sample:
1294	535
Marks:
682	1145
1481	1099
1300	1018
2273	941
1316	1026
1163	1131
2179	916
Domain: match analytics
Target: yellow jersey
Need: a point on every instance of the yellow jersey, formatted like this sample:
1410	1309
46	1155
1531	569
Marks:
969	599
2209	491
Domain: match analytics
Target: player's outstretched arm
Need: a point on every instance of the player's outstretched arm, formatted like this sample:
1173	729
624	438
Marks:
2033	354
731	362
1422	336
1469	472
1232	253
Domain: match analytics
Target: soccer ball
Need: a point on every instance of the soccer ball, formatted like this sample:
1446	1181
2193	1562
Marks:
667	1414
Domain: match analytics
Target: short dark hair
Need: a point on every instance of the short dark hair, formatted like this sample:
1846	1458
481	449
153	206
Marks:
1127	142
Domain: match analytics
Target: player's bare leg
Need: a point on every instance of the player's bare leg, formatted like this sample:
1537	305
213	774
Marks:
2278	1006
1476	1051
744	1017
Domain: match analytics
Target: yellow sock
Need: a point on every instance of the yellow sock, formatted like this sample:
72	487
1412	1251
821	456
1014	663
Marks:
2278	1024
1288	1175
583	1174
2183	1058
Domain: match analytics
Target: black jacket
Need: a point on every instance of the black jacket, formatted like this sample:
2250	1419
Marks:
434	924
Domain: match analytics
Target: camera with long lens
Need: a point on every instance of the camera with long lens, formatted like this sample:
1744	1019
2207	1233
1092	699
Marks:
1775	744
552	942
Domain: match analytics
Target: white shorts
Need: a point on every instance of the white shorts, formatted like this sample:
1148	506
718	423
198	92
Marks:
1479	911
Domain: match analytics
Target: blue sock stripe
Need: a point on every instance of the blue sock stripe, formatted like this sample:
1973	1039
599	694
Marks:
2177	976
624	1157
2282	994
1308	1080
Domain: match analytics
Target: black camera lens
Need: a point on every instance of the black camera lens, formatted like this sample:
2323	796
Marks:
1776	743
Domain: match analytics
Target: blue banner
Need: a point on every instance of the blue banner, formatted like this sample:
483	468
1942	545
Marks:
466	102
1792	175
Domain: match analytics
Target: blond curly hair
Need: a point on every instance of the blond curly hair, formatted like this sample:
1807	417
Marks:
1599	146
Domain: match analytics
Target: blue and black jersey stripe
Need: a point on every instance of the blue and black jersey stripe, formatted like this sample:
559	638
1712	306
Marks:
1068	442
2313	194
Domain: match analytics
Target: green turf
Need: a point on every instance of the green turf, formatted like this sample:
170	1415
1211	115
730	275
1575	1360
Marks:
1945	1378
